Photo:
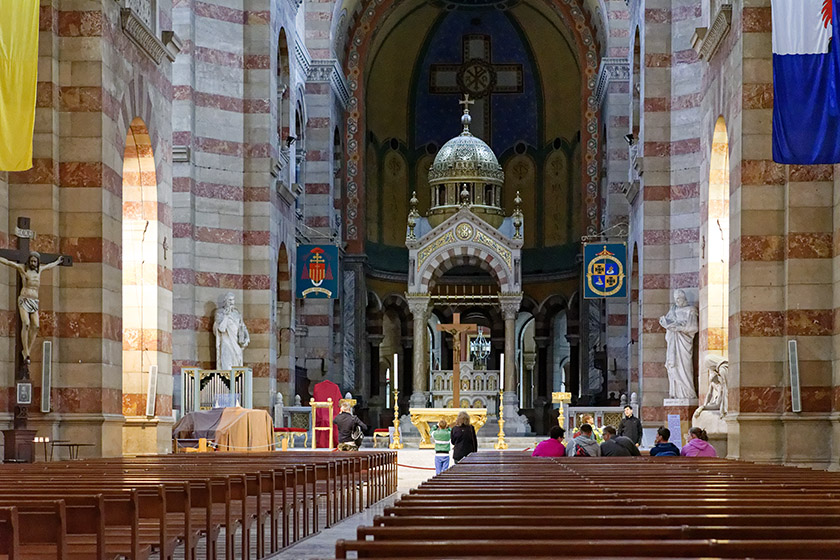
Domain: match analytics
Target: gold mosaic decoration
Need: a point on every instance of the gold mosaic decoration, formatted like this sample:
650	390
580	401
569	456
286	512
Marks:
495	245
427	251
464	231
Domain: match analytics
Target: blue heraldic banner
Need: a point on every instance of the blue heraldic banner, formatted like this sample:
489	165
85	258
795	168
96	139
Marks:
605	267
318	272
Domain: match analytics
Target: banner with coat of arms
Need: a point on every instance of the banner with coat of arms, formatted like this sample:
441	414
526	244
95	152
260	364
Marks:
605	267
318	266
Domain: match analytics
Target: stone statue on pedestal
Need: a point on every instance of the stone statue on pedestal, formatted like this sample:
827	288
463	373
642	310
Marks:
681	324
231	334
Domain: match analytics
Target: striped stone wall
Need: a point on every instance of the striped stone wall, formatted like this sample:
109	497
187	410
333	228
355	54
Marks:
615	118
229	216
322	349
92	83
781	225
784	269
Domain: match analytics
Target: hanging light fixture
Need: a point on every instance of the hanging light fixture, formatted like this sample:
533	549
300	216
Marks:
480	349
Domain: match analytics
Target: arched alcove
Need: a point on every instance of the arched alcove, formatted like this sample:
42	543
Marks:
146	298
714	291
283	93
526	357
634	324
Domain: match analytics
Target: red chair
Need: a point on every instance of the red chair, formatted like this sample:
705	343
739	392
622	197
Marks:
289	434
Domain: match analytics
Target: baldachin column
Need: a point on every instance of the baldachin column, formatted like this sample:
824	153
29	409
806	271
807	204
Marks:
419	306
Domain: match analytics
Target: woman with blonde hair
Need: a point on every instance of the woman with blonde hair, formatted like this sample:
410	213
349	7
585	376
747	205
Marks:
597	433
464	441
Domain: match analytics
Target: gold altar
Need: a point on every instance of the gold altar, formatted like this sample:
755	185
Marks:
421	417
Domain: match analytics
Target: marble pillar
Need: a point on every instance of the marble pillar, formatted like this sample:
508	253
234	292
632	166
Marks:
419	306
515	424
510	311
356	360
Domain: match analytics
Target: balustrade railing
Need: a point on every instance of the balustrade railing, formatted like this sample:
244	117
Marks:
478	387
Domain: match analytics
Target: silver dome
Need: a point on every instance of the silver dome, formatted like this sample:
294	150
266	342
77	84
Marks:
466	158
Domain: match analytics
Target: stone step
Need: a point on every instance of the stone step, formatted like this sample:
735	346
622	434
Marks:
514	442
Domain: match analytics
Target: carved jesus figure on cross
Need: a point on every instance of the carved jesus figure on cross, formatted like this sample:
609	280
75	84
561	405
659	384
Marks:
457	330
29	268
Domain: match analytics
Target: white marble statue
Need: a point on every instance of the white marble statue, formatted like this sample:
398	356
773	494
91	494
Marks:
680	325
716	398
231	334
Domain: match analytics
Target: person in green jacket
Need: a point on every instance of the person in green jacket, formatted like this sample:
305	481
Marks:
441	438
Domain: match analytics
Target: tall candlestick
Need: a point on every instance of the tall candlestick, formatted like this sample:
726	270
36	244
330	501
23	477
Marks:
397	444
502	372
501	443
396	374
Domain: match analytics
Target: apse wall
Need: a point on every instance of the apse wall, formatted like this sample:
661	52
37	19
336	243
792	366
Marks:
533	119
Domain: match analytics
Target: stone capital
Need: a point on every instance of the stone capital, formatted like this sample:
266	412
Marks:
419	305
510	305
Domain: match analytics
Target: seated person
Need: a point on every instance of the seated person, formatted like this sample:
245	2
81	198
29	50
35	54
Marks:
553	446
617	446
698	444
596	431
349	437
662	447
584	445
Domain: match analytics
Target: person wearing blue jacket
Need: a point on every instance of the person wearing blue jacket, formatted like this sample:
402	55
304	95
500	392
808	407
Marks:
663	447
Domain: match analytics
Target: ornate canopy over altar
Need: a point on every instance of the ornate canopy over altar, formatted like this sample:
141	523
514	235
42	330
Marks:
465	227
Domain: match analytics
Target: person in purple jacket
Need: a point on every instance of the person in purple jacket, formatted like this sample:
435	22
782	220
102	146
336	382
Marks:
553	446
698	444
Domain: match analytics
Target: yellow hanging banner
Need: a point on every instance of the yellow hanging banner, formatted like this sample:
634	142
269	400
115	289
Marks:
18	82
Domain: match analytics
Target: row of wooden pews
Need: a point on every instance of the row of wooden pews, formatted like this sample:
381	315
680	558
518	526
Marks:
192	506
510	505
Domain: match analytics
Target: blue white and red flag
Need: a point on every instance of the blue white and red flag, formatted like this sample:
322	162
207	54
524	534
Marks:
806	68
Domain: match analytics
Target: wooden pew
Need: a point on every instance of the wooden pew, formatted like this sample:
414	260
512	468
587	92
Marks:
9	536
513	506
178	500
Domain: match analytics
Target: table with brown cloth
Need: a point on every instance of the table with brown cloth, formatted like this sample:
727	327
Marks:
236	429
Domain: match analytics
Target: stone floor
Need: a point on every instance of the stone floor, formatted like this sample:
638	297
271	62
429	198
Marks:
415	466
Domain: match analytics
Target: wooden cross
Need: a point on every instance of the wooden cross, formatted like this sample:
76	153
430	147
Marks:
21	256
458	331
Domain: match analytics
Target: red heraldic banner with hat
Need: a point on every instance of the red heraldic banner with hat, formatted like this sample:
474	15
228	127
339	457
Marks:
319	272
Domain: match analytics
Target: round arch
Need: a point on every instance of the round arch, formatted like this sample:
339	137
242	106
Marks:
147	302
459	255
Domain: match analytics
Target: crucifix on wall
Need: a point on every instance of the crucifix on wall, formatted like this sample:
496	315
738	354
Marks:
459	332
29	266
477	76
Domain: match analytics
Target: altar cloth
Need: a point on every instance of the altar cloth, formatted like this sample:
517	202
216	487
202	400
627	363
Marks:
236	429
